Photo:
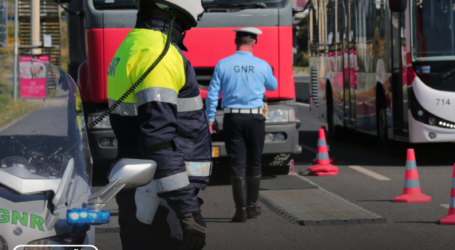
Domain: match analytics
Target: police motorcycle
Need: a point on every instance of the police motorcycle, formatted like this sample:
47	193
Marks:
46	165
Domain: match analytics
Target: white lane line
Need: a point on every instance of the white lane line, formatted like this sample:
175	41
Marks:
445	205
303	104
370	173
309	148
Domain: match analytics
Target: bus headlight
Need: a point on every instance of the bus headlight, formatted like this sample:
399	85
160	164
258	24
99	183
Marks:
281	115
103	124
432	121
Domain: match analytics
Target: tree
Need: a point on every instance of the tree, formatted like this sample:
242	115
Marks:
302	34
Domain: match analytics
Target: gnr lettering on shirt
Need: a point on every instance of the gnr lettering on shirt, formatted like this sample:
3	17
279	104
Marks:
244	69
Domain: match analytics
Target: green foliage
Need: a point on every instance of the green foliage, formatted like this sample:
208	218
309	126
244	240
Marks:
302	34
302	58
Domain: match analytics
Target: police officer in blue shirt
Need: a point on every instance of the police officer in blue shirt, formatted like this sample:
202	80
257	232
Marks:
242	78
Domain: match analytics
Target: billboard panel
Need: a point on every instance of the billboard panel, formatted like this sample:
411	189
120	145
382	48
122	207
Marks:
3	23
33	76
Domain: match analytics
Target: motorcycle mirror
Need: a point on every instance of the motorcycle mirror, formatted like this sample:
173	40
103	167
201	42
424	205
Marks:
126	173
133	172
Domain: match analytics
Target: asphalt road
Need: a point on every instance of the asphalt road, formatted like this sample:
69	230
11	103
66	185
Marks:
408	226
304	78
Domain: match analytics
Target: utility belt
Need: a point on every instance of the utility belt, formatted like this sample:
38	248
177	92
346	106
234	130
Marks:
244	111
146	197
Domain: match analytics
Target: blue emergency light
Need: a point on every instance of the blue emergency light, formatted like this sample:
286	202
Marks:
87	217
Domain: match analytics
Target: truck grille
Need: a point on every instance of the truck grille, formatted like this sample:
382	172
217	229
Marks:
314	86
204	75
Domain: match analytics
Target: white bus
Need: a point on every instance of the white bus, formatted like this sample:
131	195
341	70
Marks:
384	67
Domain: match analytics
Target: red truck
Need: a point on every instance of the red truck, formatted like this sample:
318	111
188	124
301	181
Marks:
95	35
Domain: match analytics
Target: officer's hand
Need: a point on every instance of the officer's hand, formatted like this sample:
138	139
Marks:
213	127
194	231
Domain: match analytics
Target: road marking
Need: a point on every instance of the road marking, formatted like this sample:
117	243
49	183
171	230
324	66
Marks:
309	148
370	173
445	205
303	104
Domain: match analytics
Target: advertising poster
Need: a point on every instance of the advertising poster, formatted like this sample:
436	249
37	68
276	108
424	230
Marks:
33	76
3	23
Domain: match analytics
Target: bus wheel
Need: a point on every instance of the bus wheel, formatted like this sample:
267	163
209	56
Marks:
337	132
382	126
388	146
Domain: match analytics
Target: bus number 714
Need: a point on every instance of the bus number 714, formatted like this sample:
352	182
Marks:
442	101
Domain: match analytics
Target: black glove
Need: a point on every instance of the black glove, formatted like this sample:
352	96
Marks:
194	231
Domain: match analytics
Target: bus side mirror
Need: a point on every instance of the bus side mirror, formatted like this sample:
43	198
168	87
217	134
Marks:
62	1
299	6
398	5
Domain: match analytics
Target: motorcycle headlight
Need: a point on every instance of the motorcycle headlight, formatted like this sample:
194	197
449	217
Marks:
103	124
45	242
3	244
281	115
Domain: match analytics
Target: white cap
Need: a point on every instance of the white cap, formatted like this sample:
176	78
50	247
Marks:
248	32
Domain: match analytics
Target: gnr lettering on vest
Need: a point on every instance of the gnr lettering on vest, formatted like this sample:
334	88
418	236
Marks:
244	69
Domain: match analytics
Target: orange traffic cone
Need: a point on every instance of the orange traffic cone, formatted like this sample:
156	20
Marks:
332	160
322	158
450	219
411	190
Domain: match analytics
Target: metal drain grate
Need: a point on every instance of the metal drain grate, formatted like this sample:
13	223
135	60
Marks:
317	207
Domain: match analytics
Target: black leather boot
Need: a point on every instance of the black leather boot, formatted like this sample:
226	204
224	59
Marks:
239	193
253	185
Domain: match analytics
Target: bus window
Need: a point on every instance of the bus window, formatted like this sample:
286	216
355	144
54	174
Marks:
433	25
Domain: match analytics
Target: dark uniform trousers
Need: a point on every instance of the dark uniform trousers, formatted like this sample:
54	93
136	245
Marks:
155	122
244	139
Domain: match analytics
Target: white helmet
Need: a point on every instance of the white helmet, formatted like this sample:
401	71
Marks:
192	9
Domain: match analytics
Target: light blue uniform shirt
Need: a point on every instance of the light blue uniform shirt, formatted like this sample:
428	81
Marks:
242	78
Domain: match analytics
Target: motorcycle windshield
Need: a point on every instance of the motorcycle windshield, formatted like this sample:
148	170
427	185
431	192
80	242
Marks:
42	126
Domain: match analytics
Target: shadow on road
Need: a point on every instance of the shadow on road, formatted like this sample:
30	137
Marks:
218	220
374	201
417	222
362	149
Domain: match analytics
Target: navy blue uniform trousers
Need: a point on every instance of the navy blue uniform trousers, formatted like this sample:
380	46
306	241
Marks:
244	139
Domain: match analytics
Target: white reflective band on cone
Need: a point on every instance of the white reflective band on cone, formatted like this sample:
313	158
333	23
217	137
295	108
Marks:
189	104
171	183
199	169
147	202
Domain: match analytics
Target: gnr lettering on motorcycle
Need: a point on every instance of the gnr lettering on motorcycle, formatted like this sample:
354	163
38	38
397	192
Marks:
35	220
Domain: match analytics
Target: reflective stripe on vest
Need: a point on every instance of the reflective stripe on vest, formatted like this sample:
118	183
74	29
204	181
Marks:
171	183
157	94
199	169
124	109
180	180
189	104
183	105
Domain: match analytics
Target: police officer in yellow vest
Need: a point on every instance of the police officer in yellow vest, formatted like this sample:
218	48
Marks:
164	121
